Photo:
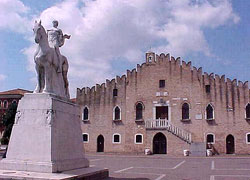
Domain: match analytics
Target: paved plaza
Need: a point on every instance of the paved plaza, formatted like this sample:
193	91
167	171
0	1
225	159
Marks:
163	167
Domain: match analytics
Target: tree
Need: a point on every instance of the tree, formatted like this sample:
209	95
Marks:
8	121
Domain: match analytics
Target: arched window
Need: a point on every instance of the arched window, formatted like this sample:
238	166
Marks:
138	139
117	113
85	137
139	108
85	114
5	104
14	102
248	111
185	111
150	58
116	138
210	138
115	92
209	112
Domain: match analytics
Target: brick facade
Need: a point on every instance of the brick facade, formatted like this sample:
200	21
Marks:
183	84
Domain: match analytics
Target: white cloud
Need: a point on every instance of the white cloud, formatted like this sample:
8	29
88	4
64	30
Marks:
184	30
13	15
2	77
104	31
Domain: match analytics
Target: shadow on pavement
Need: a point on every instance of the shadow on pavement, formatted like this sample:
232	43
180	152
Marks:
127	178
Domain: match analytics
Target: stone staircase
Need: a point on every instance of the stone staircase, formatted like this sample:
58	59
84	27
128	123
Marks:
164	124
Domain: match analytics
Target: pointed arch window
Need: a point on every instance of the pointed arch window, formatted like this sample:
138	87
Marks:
209	112
185	111
248	111
117	113
85	114
139	111
5	104
150	58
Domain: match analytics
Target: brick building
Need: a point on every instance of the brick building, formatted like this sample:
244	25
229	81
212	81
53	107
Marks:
166	105
7	98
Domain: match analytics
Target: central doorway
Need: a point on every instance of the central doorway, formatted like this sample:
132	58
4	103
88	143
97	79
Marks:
159	144
100	143
162	112
230	144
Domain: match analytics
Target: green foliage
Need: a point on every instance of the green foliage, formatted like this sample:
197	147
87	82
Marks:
8	121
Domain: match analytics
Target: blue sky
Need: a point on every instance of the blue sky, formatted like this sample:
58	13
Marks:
111	36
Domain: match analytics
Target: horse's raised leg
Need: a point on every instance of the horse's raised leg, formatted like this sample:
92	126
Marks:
38	86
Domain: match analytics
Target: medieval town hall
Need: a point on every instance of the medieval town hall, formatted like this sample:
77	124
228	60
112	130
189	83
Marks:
167	106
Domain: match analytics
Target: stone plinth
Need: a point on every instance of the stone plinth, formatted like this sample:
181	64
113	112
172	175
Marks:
198	149
46	136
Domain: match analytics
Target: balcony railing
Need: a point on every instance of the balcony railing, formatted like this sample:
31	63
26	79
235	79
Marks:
166	124
157	123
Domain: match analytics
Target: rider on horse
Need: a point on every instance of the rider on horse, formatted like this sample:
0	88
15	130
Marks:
56	40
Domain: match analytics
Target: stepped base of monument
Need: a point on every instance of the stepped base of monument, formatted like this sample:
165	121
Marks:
43	167
91	173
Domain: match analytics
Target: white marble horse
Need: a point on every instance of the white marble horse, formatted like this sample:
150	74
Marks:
46	60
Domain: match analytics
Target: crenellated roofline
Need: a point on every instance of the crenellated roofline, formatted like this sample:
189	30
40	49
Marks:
175	64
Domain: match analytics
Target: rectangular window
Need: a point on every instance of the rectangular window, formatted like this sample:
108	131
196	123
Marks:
116	138
248	111
115	92
161	83
138	139
210	138
85	138
207	88
161	112
248	138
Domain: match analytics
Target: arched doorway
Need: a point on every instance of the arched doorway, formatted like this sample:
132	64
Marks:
230	144
100	143
159	144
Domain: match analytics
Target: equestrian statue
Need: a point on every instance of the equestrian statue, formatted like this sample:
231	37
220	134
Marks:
51	66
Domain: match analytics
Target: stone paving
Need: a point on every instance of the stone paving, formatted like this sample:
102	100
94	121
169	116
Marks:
163	167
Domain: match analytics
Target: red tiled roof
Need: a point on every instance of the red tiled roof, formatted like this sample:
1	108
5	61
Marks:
15	91
73	100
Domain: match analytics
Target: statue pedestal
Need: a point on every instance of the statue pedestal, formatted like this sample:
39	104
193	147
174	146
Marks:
46	136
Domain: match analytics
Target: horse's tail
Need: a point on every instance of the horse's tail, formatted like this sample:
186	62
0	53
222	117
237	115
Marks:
65	67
